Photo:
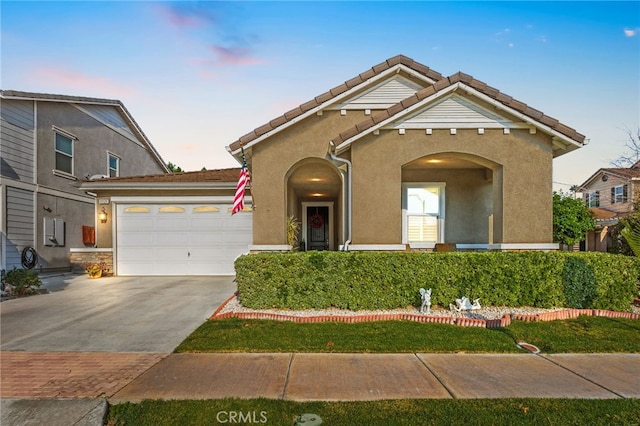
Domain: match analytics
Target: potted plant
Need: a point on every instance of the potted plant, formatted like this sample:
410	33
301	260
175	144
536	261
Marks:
95	270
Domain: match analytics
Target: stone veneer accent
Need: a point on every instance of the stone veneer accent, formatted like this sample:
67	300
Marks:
78	257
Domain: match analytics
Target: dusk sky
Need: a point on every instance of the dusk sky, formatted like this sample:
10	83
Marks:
198	75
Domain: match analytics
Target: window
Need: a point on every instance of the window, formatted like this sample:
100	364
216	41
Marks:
423	213
64	153
619	194
593	199
114	166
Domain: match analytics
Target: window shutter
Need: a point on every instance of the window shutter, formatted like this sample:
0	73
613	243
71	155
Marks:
597	198
624	193
613	195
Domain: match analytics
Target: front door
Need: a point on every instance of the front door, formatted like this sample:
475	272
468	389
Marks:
317	228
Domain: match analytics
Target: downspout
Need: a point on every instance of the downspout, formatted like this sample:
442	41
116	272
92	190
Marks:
336	159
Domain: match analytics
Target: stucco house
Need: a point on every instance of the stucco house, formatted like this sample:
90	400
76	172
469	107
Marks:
610	194
399	157
49	143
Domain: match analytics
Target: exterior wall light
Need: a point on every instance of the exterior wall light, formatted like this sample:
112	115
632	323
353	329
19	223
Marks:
102	216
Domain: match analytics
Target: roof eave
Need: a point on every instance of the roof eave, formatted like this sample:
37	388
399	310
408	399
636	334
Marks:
571	144
334	100
155	186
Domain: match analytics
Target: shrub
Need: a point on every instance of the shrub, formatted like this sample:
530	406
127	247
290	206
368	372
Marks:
382	280
23	282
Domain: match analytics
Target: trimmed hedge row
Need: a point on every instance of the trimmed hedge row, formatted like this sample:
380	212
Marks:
383	280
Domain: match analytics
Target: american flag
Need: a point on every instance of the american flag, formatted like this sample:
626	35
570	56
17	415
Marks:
243	181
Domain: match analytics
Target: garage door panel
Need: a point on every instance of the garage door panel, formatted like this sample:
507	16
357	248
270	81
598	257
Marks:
136	239
210	223
137	253
174	239
135	223
156	240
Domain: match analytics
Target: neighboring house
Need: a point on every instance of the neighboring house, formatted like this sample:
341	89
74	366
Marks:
49	143
610	194
396	158
401	157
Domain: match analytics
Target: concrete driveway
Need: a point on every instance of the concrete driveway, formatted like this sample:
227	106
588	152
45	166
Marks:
111	314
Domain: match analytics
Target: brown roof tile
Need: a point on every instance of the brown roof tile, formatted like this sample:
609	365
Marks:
602	214
324	97
476	84
220	175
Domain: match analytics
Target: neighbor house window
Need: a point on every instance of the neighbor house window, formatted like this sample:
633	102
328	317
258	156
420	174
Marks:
114	166
64	153
593	199
619	194
423	213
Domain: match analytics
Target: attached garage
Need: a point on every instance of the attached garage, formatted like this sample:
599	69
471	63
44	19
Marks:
180	239
171	224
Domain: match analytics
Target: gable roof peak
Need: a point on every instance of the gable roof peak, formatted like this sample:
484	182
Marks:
427	73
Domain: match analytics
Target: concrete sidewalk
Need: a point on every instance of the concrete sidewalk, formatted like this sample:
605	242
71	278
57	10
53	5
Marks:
81	398
359	377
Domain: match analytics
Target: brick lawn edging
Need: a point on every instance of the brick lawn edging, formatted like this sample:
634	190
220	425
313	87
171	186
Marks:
462	322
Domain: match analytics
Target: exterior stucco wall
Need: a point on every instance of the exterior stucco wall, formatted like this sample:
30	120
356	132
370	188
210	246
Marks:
272	160
90	150
521	182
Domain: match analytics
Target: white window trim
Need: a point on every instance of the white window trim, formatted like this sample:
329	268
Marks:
117	157
56	171
618	198
593	199
441	218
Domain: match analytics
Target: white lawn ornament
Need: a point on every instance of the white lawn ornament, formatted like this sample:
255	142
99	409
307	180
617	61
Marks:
426	300
464	304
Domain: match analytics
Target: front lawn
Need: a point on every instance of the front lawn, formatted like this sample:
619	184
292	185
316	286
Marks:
383	413
584	335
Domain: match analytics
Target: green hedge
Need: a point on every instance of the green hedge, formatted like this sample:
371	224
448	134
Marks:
366	280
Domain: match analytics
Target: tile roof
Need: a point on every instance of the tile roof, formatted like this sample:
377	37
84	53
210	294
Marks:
220	175
471	82
320	99
441	83
602	214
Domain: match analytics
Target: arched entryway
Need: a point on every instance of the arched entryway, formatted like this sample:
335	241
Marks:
451	198
314	198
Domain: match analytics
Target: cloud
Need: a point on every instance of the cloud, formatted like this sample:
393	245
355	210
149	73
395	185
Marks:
181	16
629	32
76	81
233	56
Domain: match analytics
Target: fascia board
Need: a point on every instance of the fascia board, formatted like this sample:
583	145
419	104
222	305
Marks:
590	180
88	186
346	144
471	91
214	199
326	104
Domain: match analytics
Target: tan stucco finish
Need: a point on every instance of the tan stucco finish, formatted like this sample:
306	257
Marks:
510	182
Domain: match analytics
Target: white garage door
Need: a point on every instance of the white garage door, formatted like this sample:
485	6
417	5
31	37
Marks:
180	239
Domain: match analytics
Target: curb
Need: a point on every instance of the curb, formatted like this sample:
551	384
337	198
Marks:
461	322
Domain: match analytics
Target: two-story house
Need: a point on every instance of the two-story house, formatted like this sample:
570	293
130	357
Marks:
48	144
610	194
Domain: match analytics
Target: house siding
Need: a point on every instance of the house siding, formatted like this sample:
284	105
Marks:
20	225
31	188
17	136
605	193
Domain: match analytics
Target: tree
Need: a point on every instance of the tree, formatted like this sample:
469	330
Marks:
571	219
173	168
633	156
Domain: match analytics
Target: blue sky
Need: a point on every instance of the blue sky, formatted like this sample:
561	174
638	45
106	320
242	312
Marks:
198	75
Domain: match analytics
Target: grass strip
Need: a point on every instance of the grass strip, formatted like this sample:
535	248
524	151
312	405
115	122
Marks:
387	413
581	335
